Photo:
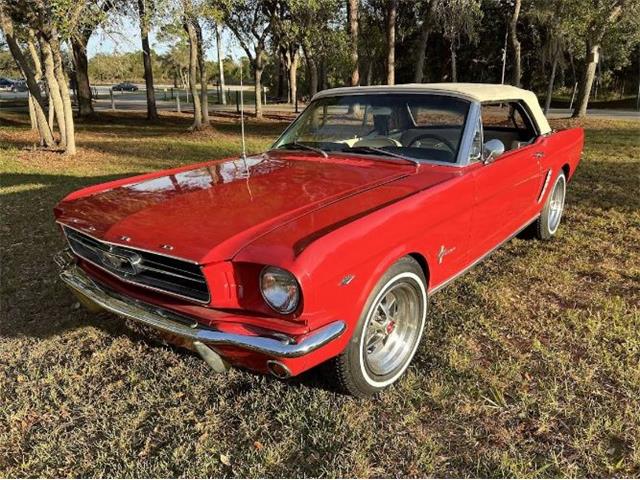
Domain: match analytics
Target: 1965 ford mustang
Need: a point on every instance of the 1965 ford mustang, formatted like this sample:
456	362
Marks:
327	246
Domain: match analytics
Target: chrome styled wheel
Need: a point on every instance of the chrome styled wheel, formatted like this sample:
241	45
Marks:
388	332
392	329
546	226
556	204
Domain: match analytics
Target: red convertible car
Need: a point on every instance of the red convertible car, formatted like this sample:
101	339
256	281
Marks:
327	247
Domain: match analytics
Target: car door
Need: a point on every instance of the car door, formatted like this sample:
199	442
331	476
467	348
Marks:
506	188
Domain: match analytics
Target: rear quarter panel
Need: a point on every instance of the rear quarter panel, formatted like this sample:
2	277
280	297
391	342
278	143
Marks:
563	148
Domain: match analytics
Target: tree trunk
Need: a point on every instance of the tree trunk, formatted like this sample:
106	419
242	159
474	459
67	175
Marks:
152	111
193	73
258	68
63	84
586	81
55	98
454	66
323	74
281	81
223	97
25	67
515	45
313	73
591	60
204	98
79	46
291	56
422	53
293	74
352	11
421	45
391	41
552	78
37	70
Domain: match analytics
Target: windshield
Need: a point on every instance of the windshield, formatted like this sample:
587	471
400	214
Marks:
423	127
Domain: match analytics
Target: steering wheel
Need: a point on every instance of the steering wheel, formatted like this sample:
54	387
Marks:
433	136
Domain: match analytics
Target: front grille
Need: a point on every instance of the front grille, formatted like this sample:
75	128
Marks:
158	272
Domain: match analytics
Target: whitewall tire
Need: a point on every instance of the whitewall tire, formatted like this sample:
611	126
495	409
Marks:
388	332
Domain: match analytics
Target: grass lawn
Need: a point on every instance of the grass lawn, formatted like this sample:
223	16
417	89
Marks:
531	365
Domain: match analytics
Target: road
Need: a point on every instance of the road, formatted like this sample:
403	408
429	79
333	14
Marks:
597	113
166	100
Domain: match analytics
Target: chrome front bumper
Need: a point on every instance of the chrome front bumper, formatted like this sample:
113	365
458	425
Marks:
187	327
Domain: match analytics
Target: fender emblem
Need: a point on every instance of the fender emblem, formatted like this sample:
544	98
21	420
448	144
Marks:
444	251
347	279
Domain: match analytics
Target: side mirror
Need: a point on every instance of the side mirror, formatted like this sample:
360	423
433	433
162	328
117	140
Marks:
492	150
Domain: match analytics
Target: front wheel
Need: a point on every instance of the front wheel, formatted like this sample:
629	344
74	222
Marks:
547	224
388	332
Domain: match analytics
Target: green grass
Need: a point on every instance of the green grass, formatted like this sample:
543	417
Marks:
531	365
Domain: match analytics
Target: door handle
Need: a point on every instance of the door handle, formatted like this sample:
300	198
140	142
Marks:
538	154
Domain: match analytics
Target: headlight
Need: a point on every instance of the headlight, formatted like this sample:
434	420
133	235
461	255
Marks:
279	289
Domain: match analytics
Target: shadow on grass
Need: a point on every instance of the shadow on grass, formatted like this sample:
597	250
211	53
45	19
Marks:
35	303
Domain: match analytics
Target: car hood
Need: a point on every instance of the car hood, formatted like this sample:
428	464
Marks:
209	212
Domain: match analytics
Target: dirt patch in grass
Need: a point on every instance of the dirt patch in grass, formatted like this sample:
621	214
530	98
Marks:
531	365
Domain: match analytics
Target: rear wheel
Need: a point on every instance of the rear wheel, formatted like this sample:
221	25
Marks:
388	332
547	224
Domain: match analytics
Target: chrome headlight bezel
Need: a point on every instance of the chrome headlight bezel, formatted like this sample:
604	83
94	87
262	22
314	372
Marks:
276	281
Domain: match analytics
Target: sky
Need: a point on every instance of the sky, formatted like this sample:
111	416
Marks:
127	39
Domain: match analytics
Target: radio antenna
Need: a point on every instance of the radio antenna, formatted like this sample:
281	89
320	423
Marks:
244	149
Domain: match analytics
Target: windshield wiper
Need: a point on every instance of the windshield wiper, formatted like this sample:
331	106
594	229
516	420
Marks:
304	147
381	152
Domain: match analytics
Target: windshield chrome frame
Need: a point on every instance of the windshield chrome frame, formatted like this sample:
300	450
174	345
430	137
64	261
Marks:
466	141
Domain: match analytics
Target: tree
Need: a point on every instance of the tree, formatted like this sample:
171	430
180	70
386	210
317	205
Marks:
373	44
311	29
7	26
352	10
251	23
287	35
202	69
223	97
426	11
81	63
515	44
94	14
457	18
144	17
392	9
556	28
52	22
189	20
594	21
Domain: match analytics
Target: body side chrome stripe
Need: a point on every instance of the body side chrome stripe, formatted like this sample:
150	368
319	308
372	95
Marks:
544	186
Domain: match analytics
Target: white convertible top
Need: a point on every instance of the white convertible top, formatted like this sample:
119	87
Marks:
479	92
